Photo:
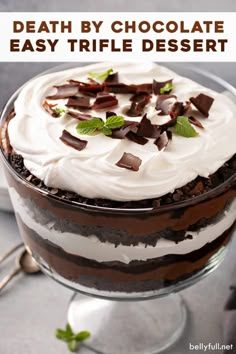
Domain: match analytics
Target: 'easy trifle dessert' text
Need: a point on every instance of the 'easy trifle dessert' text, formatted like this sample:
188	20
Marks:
127	175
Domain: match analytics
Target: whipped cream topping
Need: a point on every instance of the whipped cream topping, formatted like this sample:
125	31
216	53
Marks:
92	172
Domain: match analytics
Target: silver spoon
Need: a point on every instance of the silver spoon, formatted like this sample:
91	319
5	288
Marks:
24	263
10	252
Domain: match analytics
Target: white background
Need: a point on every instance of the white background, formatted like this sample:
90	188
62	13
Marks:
62	52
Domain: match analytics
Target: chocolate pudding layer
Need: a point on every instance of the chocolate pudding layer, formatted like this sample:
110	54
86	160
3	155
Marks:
122	252
137	276
122	181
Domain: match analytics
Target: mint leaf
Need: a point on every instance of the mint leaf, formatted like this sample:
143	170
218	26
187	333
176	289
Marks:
114	122
88	127
59	110
101	76
61	334
167	88
69	331
72	345
72	339
184	128
81	336
106	131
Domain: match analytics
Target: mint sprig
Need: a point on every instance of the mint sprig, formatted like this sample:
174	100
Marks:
59	110
167	88
72	339
89	127
101	76
184	128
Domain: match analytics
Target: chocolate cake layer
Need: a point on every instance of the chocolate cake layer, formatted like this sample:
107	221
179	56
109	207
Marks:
114	276
120	236
122	227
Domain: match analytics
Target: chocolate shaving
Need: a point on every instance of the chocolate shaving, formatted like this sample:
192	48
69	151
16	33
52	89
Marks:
103	93
136	139
203	103
114	78
177	110
196	122
119	88
72	141
162	141
121	133
139	101
147	129
129	161
157	86
139	97
147	88
91	90
64	91
110	114
105	101
162	105
50	109
92	81
79	83
133	123
187	108
78	102
79	116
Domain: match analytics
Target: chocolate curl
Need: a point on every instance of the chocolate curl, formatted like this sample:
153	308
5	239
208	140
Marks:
147	129
64	91
203	103
129	161
72	141
78	102
163	105
157	86
105	101
139	101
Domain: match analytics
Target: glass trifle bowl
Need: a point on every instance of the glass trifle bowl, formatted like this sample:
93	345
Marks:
122	252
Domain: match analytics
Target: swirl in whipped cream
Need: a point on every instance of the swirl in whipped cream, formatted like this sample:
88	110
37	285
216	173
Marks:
93	173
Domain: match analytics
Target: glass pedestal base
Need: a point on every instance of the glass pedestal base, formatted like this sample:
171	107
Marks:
133	327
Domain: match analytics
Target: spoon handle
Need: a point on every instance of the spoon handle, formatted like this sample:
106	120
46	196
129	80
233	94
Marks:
8	277
14	249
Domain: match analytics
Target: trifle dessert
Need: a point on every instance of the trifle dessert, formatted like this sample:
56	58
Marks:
122	176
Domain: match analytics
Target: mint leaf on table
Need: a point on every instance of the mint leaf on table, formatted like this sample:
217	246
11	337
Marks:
72	339
101	76
69	331
89	127
167	88
81	336
72	345
61	334
184	128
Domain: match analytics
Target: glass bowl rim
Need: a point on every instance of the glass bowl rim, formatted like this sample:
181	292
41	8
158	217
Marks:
169	207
